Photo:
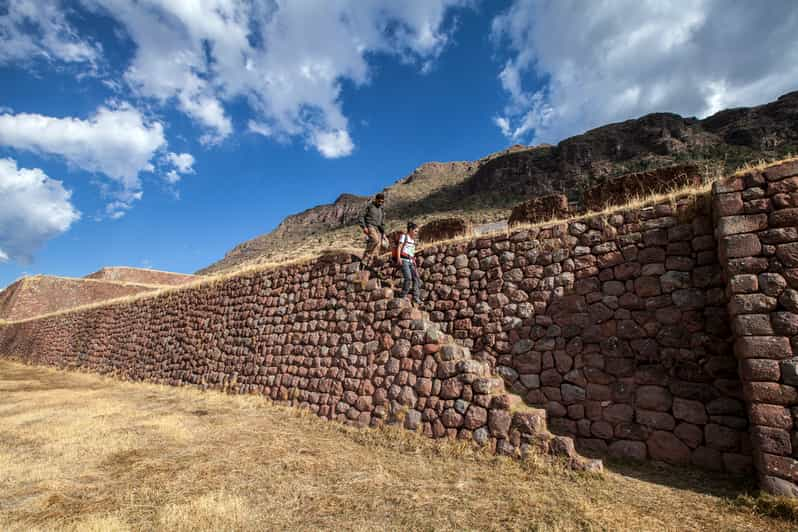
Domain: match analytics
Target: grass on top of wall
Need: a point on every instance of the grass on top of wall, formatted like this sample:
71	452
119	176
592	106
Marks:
636	202
84	452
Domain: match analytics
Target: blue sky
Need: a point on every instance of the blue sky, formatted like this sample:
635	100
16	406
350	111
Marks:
161	133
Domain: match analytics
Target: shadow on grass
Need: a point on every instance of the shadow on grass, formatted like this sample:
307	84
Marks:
683	478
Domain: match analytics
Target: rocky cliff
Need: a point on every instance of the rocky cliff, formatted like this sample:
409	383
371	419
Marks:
486	189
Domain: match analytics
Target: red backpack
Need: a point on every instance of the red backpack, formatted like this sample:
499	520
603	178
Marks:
395	238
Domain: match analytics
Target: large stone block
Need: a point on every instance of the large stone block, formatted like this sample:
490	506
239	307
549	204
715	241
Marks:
737	246
690	411
752	325
760	369
784	218
780	466
770	392
773	347
770	415
749	223
771	440
668	448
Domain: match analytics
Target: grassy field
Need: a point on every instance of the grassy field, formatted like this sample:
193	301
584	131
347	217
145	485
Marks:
82	452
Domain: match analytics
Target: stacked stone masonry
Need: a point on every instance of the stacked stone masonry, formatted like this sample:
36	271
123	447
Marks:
634	333
757	229
311	336
615	325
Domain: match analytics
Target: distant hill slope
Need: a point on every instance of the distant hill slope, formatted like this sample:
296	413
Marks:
43	294
486	189
127	274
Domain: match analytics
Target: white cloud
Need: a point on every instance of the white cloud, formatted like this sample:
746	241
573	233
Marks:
33	209
38	29
259	128
599	62
117	142
287	59
333	144
183	162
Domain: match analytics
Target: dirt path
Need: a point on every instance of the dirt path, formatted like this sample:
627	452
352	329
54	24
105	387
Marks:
83	452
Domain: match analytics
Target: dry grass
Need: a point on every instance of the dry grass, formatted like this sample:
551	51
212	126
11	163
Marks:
764	163
82	452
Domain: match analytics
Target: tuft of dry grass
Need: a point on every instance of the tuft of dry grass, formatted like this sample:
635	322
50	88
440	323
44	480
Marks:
83	452
760	165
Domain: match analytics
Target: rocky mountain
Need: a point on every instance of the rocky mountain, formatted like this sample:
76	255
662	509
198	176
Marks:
486	189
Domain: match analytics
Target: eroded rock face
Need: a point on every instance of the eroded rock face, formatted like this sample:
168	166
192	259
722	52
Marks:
621	189
443	229
588	161
540	209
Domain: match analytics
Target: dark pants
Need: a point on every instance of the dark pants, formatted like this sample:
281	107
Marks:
411	279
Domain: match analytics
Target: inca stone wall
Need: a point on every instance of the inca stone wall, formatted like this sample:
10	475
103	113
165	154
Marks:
616	325
43	294
311	336
757	227
622	331
142	276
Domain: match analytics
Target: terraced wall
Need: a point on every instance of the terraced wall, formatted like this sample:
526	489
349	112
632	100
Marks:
619	326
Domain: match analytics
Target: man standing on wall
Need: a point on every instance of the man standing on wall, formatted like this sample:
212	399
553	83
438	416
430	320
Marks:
373	224
406	260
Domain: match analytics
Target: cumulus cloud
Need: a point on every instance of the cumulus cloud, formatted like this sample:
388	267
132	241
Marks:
33	209
287	59
182	163
575	65
116	141
39	29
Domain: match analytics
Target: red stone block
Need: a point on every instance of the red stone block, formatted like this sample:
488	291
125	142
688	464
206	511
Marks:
668	448
770	415
772	347
728	204
760	369
780	466
770	392
771	440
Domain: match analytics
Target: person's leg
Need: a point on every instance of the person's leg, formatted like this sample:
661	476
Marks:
408	277
372	244
416	286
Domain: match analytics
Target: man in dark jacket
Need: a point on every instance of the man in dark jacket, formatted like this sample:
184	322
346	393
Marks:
373	225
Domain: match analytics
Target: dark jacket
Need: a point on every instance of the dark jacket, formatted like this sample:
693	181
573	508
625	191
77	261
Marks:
373	216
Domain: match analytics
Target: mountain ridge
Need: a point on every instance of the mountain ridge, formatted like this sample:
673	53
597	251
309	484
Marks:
486	189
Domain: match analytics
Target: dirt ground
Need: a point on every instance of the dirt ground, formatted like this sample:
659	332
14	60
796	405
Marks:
83	452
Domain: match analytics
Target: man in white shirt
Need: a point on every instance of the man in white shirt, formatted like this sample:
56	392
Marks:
406	259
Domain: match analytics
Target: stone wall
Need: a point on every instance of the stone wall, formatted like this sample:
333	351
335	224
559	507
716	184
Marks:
308	335
42	294
622	331
142	276
757	227
616	325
